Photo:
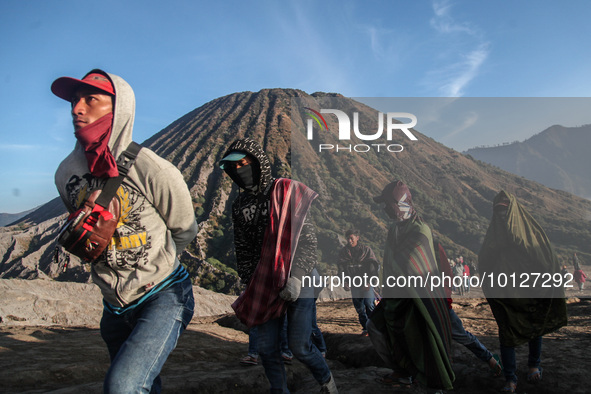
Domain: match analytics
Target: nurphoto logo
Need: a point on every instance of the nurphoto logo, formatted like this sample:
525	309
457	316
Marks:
345	130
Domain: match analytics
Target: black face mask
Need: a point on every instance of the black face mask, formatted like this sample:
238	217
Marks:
245	176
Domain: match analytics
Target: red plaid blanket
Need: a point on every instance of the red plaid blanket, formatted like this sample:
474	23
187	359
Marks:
260	302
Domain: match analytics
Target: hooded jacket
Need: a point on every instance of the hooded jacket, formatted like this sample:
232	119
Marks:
250	217
157	219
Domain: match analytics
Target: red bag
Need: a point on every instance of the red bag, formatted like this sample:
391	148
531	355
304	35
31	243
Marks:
89	230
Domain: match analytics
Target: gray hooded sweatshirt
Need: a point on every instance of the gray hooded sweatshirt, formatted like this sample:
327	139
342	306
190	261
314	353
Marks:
157	218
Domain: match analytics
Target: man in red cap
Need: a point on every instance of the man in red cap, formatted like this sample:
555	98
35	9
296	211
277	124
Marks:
147	294
410	327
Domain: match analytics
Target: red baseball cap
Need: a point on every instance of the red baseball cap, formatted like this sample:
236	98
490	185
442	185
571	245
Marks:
65	87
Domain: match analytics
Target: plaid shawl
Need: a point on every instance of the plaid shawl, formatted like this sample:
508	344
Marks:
260	302
417	323
518	244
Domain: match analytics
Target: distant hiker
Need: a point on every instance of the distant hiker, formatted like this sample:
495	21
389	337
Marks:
410	328
514	244
472	267
466	277
459	273
564	272
147	294
357	260
575	261
458	332
580	278
275	247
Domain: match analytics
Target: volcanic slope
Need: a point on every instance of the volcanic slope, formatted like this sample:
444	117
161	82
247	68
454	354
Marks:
452	192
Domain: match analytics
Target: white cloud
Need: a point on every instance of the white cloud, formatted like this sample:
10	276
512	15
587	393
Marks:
467	49
376	46
461	73
444	23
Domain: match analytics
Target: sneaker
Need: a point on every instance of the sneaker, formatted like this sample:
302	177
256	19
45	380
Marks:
249	360
286	358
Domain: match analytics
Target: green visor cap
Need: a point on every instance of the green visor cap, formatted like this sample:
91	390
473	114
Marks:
233	156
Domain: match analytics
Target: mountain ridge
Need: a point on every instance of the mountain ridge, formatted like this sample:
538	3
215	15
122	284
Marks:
557	157
6	219
452	192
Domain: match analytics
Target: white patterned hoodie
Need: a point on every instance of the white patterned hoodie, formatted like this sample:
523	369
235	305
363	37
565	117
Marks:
157	217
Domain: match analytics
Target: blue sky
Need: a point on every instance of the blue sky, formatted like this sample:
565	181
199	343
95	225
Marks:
178	55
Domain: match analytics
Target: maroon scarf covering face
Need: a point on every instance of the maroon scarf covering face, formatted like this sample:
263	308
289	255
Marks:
94	138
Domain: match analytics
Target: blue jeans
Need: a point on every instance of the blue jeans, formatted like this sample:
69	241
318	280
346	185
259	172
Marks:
508	357
253	348
299	334
317	337
463	337
140	340
363	301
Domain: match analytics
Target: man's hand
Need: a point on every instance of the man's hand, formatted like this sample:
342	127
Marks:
292	289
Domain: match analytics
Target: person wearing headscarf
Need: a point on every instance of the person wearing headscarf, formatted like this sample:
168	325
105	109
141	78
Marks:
275	247
575	261
515	244
580	278
410	328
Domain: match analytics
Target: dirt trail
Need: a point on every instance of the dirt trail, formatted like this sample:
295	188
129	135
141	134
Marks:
62	359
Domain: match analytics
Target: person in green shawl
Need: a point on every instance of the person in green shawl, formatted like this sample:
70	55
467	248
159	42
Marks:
410	327
515	245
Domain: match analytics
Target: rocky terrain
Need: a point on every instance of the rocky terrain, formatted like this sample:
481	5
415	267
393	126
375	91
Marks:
50	342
